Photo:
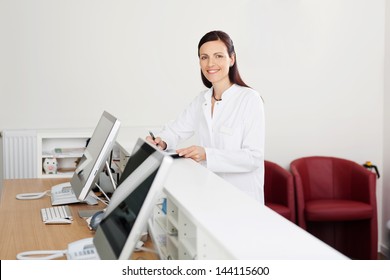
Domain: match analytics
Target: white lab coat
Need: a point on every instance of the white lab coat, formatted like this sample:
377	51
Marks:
233	137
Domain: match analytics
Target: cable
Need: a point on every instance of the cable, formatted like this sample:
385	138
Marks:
46	255
27	196
369	165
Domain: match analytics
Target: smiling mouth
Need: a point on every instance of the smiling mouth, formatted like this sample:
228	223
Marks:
212	71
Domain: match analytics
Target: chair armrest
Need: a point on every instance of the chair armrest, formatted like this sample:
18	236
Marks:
300	198
363	185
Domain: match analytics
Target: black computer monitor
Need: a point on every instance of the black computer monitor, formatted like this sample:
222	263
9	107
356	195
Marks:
95	155
132	203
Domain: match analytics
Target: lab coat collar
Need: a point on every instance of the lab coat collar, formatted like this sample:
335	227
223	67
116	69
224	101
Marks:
226	95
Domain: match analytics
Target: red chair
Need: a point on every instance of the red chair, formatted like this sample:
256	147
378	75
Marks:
336	202
279	190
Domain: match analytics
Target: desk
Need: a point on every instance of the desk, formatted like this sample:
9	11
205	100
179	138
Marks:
21	226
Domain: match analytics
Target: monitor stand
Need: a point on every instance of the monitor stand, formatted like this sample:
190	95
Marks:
90	212
110	175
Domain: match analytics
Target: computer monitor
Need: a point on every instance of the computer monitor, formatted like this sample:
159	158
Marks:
95	155
132	203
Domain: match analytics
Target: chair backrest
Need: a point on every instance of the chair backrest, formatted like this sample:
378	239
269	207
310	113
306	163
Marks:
323	177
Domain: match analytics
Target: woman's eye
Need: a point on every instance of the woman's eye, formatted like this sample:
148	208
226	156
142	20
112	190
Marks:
203	57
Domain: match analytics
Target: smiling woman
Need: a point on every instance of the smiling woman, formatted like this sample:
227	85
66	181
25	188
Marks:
228	119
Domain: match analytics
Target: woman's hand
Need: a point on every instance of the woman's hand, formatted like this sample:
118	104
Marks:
157	141
197	153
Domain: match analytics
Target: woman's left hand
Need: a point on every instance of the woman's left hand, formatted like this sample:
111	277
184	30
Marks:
197	153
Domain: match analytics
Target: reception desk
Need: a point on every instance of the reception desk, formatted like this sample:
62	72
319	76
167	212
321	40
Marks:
205	217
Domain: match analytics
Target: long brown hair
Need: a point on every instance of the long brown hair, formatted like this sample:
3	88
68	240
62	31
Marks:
234	75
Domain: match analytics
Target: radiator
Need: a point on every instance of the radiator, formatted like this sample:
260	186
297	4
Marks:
19	154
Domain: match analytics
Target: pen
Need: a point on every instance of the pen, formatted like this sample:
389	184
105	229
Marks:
154	138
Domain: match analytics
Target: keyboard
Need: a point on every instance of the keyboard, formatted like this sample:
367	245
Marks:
56	212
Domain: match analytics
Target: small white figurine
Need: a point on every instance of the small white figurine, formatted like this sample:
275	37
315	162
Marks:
50	165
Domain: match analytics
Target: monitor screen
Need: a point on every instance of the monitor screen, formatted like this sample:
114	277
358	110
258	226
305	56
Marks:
132	203
95	155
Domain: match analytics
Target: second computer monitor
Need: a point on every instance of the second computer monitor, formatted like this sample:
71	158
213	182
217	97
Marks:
131	205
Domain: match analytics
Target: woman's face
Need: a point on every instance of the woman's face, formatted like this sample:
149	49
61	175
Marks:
215	62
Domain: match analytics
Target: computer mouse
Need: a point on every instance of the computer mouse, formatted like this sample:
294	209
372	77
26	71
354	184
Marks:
58	221
96	219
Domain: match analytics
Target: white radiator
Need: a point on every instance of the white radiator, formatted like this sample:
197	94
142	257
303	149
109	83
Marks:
19	154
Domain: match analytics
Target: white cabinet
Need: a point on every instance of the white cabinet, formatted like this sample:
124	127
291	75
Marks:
176	233
65	146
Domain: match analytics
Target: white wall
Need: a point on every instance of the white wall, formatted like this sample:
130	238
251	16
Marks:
317	63
386	126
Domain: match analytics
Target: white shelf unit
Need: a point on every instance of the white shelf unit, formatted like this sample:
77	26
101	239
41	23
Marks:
65	145
176	234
